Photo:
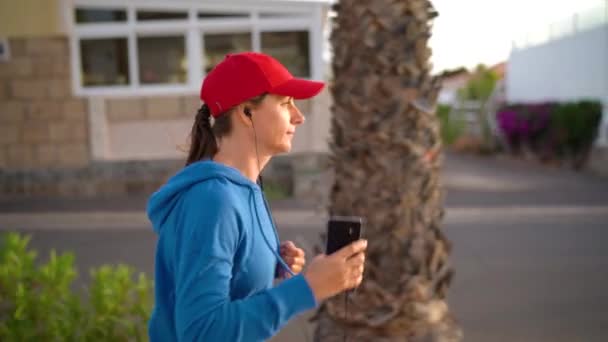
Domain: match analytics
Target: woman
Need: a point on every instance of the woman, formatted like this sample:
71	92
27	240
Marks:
218	251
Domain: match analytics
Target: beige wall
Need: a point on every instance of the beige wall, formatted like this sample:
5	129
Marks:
141	128
120	110
149	140
30	18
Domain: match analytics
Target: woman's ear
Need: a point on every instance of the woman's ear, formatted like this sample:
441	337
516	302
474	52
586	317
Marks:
244	114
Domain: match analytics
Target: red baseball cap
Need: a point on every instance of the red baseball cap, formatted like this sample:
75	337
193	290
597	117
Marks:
245	75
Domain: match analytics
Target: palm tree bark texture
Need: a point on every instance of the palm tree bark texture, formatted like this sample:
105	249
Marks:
386	157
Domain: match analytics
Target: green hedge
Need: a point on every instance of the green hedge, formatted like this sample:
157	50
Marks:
38	301
553	131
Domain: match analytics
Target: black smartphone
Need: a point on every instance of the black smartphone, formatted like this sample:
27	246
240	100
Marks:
341	231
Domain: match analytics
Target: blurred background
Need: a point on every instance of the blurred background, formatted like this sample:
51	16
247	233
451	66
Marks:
97	99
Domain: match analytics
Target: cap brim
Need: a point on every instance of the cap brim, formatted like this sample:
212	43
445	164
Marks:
299	89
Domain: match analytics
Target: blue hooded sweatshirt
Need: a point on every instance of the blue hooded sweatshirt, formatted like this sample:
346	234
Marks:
216	258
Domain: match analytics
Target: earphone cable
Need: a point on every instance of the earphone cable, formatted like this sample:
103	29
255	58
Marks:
257	155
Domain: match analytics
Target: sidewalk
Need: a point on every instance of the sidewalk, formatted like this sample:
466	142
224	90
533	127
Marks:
286	218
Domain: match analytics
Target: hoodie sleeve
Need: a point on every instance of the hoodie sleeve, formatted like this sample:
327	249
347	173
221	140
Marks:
204	310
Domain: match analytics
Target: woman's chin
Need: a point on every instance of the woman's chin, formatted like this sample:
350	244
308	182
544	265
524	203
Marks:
283	148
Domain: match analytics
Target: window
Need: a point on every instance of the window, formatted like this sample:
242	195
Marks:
104	61
100	15
216	46
282	14
289	48
136	49
162	60
156	15
221	15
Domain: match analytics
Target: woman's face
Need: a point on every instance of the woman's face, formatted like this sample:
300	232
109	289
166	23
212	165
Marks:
275	121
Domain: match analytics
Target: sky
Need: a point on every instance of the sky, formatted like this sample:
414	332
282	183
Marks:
469	32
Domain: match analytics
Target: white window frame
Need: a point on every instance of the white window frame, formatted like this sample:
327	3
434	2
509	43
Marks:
193	29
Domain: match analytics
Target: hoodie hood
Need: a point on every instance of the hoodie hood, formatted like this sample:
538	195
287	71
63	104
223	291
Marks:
161	202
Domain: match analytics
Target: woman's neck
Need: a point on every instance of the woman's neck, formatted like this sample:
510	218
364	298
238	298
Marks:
242	158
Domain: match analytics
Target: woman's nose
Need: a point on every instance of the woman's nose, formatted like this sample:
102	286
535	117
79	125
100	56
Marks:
297	117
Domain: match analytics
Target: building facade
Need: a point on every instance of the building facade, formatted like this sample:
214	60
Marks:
98	97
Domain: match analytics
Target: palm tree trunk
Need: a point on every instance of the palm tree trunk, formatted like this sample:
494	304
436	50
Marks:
386	158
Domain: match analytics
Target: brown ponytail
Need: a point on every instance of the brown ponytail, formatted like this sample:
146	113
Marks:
204	135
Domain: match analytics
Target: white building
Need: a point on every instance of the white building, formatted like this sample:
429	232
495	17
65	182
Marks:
567	61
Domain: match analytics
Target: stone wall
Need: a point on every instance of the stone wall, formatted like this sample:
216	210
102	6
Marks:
97	179
312	177
41	123
299	176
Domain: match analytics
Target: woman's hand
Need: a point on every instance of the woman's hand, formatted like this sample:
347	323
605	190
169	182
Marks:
293	256
328	275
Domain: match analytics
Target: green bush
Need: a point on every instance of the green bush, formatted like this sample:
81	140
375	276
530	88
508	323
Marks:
451	127
554	131
38	302
576	124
